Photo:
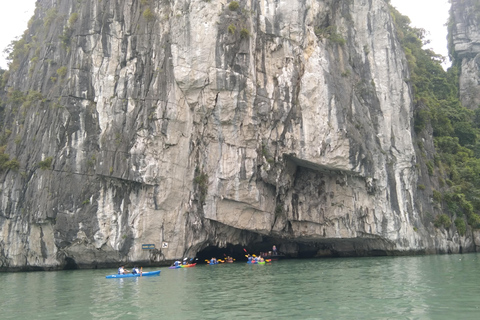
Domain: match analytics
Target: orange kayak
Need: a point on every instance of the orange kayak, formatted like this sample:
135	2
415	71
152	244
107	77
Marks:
188	265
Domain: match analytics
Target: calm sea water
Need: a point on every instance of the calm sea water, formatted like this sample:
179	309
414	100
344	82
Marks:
425	287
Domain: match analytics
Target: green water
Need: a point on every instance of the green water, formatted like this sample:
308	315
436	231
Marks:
425	287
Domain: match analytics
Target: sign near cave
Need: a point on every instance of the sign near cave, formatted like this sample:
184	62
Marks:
164	245
149	246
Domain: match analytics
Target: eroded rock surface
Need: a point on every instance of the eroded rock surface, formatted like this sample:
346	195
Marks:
188	124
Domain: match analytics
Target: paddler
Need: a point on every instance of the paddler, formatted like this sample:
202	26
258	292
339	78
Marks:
122	270
135	270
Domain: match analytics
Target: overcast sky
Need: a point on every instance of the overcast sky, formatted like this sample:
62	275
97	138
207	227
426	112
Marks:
14	16
430	15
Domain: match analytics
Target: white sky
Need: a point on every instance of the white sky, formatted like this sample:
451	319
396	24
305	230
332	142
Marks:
14	16
431	15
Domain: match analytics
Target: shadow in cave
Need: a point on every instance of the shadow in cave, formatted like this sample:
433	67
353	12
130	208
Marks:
70	264
333	248
237	252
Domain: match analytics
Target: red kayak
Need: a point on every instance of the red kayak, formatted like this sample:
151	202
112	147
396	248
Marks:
188	265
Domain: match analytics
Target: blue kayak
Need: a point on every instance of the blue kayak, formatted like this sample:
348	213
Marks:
130	275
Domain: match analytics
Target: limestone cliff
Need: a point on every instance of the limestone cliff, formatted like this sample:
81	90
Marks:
190	124
465	48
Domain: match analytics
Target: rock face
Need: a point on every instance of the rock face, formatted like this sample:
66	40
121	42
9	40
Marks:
465	34
189	124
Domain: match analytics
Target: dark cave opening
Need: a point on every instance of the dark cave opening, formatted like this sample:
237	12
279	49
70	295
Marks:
70	264
307	249
239	253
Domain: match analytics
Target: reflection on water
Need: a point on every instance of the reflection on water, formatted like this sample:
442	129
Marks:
425	287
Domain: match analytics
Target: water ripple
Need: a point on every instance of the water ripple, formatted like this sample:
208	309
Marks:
427	287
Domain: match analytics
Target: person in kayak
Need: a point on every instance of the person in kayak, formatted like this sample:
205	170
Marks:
122	270
135	270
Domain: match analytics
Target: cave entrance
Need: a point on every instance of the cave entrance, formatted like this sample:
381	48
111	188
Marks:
326	248
235	251
70	264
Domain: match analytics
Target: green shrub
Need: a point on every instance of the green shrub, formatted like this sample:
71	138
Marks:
465	133
3	139
45	164
66	37
61	72
233	6
15	97
4	157
441	182
331	34
231	28
437	196
244	33
442	220
421	118
148	14
430	167
474	220
32	96
201	179
50	16
73	18
461	226
16	51
13	164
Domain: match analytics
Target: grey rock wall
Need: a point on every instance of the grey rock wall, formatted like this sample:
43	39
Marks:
189	124
465	44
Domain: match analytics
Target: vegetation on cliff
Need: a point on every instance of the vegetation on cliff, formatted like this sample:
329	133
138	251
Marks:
438	110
